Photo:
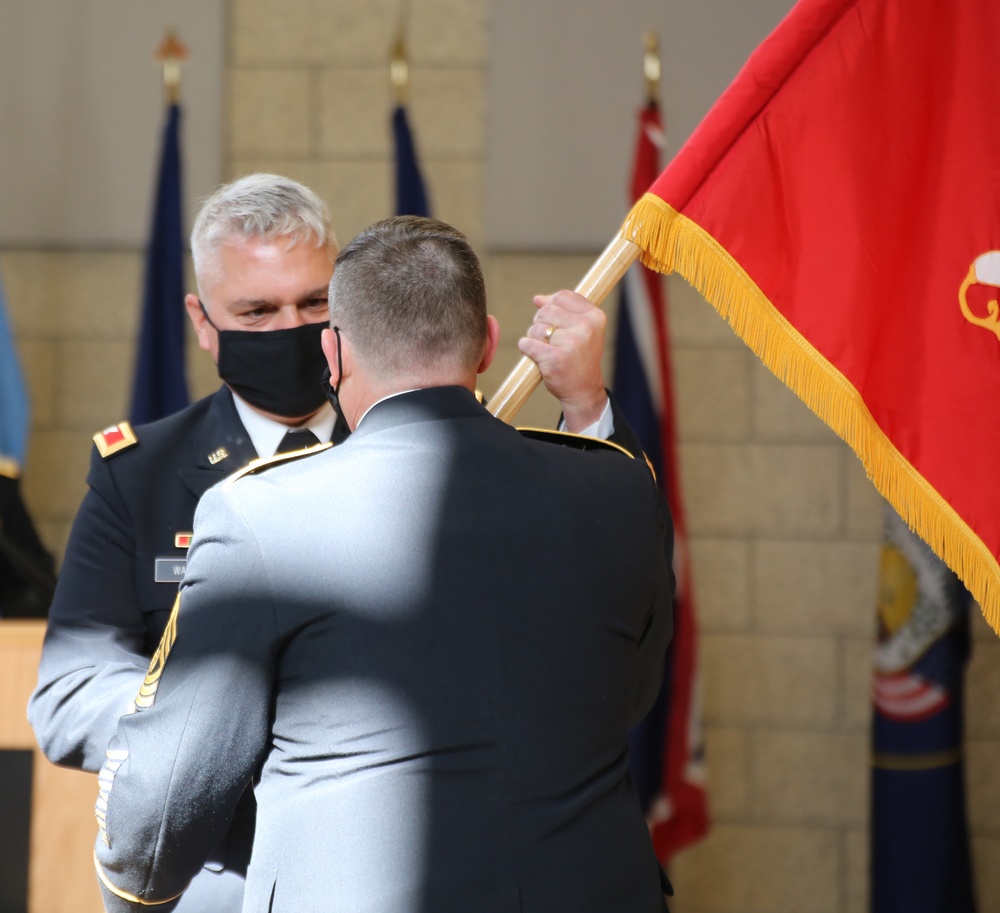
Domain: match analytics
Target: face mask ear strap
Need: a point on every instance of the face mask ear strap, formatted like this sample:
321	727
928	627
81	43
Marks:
332	391
340	363
201	304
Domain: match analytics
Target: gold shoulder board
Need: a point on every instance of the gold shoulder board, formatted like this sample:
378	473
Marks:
262	463
114	439
576	441
579	442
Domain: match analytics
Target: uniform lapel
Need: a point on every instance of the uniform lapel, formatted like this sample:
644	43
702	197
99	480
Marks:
221	446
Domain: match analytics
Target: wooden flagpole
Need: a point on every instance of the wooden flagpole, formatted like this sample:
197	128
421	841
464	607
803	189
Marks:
603	276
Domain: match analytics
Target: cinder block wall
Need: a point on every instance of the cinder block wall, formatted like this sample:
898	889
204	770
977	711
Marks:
784	527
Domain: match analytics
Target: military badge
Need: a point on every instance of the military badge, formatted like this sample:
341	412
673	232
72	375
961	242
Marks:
117	437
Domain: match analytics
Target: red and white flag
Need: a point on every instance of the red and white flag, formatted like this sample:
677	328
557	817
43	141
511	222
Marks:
839	205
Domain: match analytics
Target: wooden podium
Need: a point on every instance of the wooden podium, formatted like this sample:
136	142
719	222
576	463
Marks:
61	876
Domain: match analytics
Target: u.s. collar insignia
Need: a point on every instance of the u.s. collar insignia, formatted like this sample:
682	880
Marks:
116	438
218	456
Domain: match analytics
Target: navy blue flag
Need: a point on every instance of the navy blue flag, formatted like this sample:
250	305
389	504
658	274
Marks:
411	194
160	387
920	840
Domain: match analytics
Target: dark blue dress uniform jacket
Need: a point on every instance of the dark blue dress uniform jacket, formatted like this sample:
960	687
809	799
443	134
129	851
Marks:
431	691
108	613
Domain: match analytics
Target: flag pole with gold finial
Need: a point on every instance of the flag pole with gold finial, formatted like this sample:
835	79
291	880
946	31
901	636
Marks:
608	270
171	54
399	68
651	67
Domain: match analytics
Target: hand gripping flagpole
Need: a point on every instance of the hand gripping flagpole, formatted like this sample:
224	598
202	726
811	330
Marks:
608	270
600	279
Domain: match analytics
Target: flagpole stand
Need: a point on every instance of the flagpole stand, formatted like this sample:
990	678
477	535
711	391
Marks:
603	276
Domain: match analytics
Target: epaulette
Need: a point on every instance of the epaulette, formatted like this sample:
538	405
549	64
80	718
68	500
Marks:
115	439
262	463
580	442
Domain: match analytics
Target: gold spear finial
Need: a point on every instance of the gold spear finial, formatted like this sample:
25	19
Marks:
651	67
171	53
399	68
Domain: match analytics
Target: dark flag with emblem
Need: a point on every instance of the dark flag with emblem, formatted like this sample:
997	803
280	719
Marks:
919	837
27	580
411	194
666	753
160	387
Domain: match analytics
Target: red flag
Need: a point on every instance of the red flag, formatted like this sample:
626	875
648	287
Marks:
666	751
839	206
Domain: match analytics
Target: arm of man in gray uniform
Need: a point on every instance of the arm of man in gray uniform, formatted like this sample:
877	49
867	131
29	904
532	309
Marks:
176	768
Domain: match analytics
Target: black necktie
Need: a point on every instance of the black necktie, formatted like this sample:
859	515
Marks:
297	440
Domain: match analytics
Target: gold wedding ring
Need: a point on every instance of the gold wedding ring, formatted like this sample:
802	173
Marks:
548	333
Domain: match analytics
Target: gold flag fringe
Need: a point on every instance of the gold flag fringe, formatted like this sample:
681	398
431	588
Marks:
672	243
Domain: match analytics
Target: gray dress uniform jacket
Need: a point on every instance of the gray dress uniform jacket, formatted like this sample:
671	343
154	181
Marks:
425	647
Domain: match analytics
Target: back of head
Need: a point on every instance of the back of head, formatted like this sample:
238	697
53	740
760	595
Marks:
409	293
259	206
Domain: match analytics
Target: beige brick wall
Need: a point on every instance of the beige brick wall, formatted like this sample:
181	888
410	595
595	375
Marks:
784	526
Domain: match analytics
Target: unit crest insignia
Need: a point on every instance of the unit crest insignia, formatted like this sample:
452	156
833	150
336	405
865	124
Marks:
984	273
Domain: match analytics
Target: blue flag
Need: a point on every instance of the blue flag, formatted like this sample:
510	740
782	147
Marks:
411	194
160	387
26	568
920	839
14	411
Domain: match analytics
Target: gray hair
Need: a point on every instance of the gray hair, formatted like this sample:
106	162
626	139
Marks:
259	206
409	293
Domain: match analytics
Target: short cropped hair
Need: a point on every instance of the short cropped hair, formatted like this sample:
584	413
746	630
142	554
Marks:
409	292
259	206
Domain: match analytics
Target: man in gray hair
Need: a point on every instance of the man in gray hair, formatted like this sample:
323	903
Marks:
263	253
431	695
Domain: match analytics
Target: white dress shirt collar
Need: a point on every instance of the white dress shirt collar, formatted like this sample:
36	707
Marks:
266	434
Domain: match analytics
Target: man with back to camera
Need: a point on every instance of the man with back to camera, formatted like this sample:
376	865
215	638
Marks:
263	255
432	700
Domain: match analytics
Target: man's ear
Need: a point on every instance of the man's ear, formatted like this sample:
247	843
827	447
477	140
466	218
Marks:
328	340
202	328
492	341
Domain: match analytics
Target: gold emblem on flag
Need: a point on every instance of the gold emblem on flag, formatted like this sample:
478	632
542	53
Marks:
985	270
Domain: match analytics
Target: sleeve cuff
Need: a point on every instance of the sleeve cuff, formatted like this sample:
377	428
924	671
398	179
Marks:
602	429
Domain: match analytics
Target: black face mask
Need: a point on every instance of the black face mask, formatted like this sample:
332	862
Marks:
275	370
